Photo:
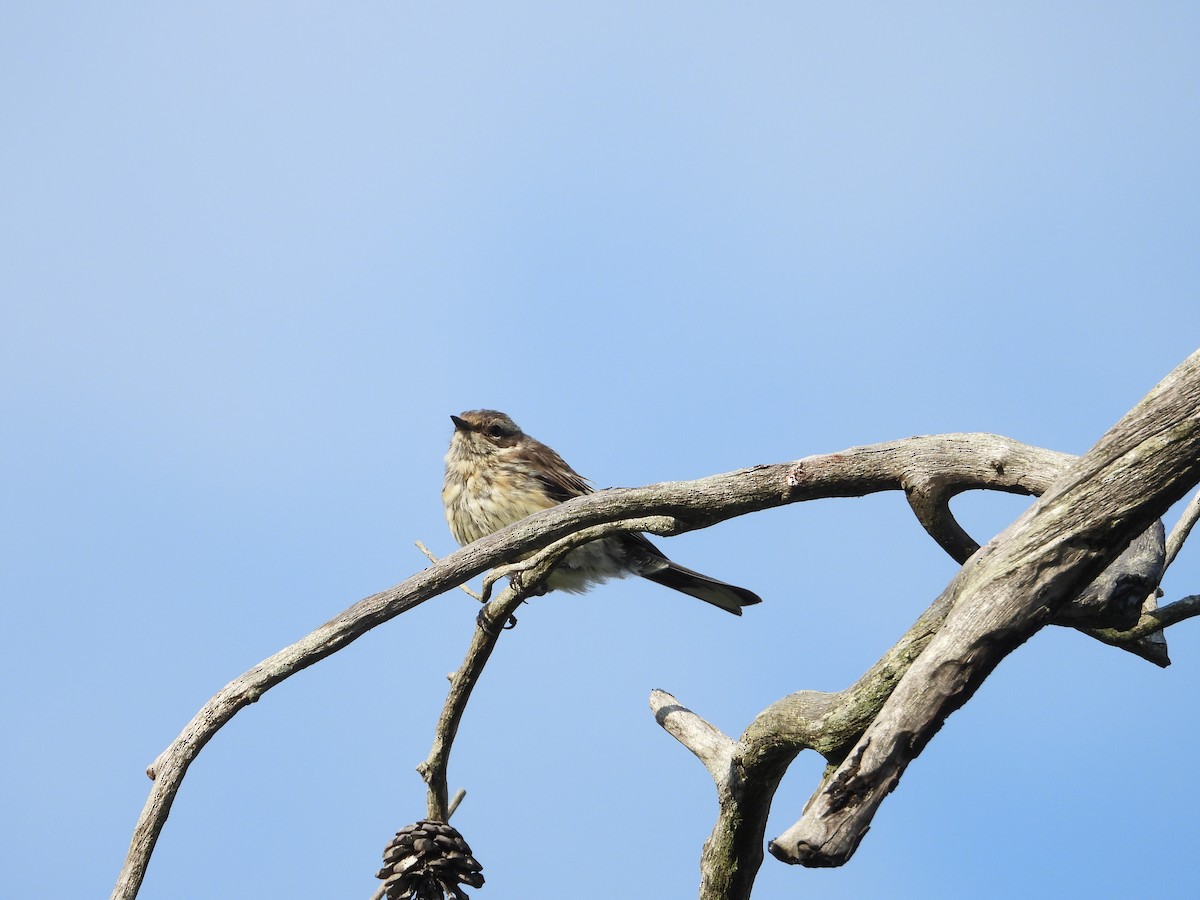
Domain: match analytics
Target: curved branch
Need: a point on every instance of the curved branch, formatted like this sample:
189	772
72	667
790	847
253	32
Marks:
833	724
712	746
828	723
931	505
527	576
1009	467
970	460
1142	466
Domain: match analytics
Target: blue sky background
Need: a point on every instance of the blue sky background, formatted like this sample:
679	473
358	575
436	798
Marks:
253	255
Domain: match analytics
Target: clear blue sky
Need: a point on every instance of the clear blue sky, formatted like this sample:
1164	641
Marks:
253	255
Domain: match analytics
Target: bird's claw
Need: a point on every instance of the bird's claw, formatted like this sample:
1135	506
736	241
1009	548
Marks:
488	627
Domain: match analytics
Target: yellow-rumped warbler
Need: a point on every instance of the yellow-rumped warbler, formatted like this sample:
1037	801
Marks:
496	474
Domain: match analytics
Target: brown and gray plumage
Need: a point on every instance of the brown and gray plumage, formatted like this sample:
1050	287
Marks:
496	475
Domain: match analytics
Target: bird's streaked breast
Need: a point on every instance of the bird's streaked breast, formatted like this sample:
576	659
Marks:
484	495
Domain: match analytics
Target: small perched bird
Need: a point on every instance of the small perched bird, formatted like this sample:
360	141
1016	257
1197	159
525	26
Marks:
496	474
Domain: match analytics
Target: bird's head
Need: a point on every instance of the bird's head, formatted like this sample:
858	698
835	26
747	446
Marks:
484	431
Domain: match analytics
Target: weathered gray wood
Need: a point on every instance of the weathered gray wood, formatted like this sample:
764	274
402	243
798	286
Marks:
929	469
979	460
1143	465
1115	597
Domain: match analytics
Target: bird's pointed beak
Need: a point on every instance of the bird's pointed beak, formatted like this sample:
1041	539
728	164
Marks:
460	424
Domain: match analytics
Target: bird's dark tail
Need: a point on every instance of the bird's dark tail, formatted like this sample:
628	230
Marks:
727	596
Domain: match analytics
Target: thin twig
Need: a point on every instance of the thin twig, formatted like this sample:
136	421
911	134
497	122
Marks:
483	641
433	559
1137	639
980	460
541	562
458	797
1182	529
527	577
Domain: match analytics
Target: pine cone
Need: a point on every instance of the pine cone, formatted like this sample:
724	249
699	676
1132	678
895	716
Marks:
429	861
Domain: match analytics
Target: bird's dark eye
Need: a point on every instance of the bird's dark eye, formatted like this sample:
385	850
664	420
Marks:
495	431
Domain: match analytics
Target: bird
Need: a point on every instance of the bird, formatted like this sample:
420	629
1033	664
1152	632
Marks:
496	475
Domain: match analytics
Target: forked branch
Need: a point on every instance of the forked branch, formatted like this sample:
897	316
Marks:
1037	570
980	460
527	577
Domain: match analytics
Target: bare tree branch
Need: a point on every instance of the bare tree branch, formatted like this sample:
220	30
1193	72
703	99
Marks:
1183	528
964	461
487	631
930	489
1116	597
1145	637
429	555
832	724
711	746
1143	465
1152	622
828	723
528	575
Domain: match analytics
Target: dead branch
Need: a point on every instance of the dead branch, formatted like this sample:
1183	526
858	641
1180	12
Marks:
1183	528
747	772
1142	466
964	461
527	575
